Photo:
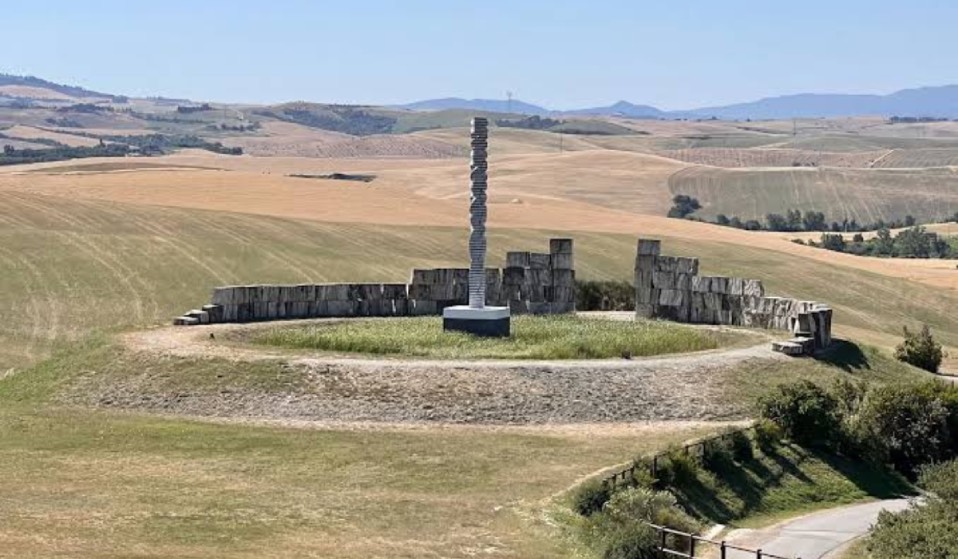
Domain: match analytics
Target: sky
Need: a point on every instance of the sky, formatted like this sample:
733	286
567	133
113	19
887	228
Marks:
560	54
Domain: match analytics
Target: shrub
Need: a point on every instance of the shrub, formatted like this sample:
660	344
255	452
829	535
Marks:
590	497
920	349
806	413
905	425
718	454
768	435
676	467
604	296
622	524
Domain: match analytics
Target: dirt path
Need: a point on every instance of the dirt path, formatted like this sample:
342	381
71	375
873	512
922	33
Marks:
336	388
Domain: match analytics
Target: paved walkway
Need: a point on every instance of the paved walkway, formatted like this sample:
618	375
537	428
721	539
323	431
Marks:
814	536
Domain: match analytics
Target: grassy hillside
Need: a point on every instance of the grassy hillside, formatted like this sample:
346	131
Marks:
83	483
69	267
865	195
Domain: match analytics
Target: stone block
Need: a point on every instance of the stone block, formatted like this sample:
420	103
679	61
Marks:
701	284
645	263
539	261
563	278
418	307
560	246
753	288
513	276
663	280
563	262
518	259
647	295
644	310
666	263
687	265
649	247
718	284
672	298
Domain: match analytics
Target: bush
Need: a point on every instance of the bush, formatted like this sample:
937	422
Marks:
590	497
604	296
622	524
807	413
718	454
676	467
905	425
768	435
920	349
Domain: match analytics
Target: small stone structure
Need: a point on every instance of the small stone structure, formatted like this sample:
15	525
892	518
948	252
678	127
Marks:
670	287
531	283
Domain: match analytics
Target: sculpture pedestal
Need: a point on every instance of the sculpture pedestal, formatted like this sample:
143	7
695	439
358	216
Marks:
487	321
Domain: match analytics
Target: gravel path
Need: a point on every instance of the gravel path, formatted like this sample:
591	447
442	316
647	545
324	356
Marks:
681	387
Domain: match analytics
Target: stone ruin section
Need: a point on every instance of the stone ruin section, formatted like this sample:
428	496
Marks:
671	288
531	283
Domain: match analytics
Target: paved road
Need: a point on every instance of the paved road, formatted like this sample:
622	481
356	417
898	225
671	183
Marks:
816	535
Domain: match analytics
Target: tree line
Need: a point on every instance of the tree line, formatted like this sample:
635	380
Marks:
793	221
914	242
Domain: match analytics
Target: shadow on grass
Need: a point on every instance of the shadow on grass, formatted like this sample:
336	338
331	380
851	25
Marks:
845	355
730	491
876	481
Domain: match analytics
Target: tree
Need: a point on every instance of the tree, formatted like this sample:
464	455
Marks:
683	205
8	150
884	244
833	241
736	222
920	349
794	220
723	219
858	238
753	225
776	222
913	242
814	221
909	221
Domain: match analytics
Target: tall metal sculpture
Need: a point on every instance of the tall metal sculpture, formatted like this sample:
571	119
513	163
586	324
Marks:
477	318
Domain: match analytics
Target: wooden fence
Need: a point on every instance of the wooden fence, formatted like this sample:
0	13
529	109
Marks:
692	543
696	448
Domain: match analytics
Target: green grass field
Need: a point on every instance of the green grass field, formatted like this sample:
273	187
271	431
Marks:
533	337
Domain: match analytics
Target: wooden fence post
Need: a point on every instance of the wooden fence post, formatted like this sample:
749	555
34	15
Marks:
692	546
722	549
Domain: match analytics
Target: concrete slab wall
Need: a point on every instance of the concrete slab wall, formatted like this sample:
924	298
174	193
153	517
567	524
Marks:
535	283
671	288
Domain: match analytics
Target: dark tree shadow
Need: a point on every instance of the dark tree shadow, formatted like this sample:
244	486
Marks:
844	354
874	479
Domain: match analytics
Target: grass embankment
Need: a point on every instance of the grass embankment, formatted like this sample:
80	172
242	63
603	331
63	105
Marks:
83	483
782	481
844	360
533	337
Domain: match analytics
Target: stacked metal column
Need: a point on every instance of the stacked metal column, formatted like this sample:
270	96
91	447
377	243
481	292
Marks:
477	213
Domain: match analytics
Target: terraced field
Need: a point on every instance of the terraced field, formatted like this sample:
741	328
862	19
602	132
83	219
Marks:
771	157
865	195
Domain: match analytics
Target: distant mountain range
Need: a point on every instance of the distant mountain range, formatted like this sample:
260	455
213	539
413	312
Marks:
941	102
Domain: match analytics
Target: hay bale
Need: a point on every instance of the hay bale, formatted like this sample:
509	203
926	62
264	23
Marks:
684	265
663	280
753	288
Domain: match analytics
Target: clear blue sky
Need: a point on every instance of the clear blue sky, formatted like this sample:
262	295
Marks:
561	54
